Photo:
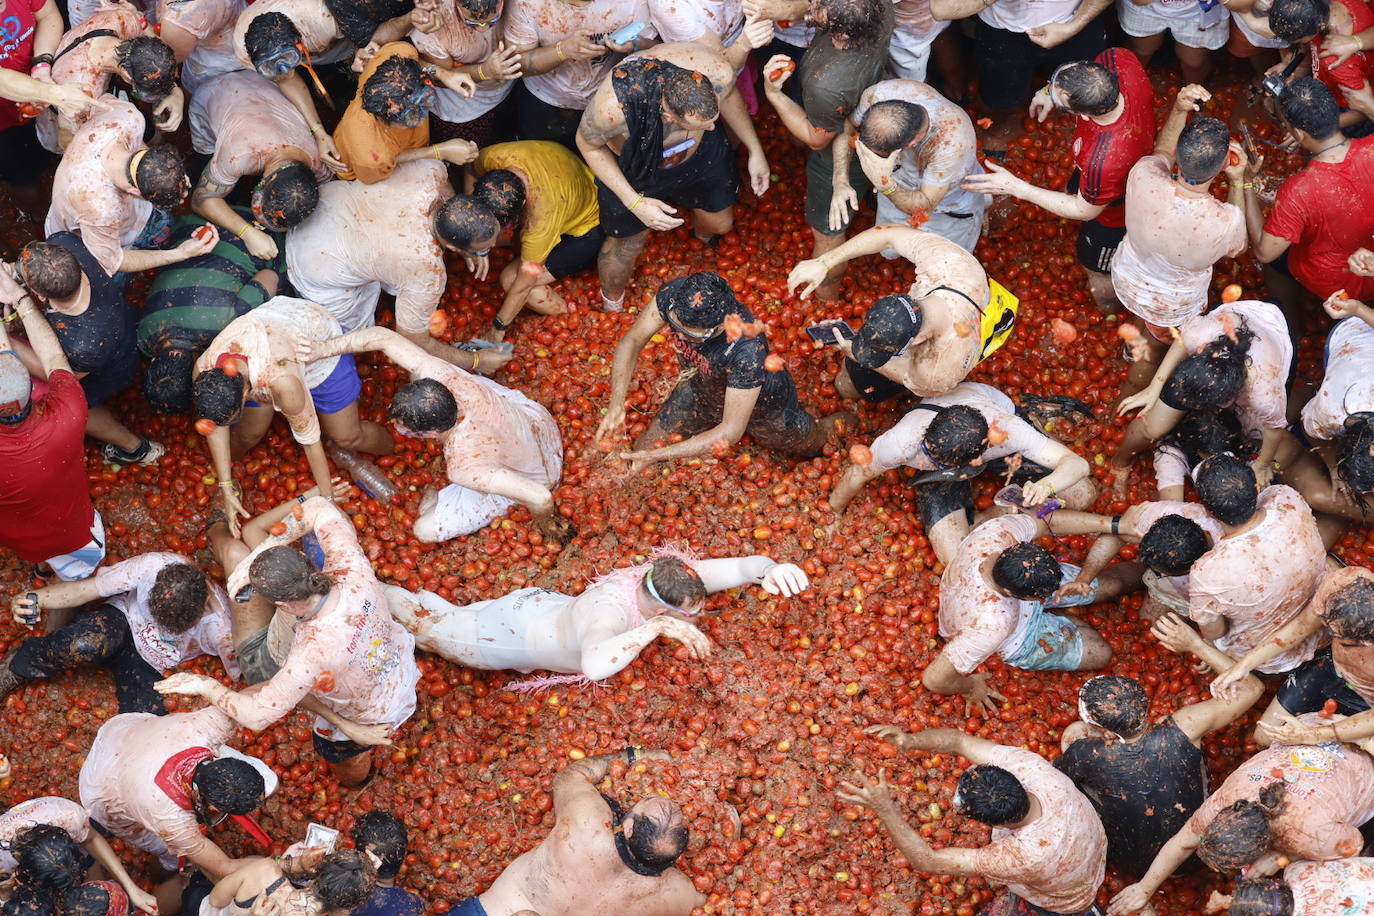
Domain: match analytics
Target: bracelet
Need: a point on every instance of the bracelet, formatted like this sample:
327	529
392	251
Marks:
39	60
638	200
499	324
1116	524
244	231
475	357
301	499
559	48
317	128
887	190
438	153
480	75
1359	42
34	68
227	485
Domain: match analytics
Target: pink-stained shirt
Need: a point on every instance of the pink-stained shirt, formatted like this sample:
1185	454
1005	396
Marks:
129	585
1163	267
118	781
499	430
1355	664
1263	402
79	67
266	338
915	26
540	23
1151	513
901	445
352	655
319	32
1344	887
212	23
1260	579
1058	860
87	202
245	121
51	810
975	619
1330	792
1348	385
688	20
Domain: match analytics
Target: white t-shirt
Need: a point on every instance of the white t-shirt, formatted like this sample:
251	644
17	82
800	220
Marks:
1263	402
50	810
500	430
1344	887
901	445
540	23
129	586
1024	15
688	20
319	32
976	621
365	238
85	201
948	153
1152	512
914	26
1163	267
212	22
1348	386
244	121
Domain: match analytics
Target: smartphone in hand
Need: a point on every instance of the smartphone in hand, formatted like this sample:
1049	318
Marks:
823	333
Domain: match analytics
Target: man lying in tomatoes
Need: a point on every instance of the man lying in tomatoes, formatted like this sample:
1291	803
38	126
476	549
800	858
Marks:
593	635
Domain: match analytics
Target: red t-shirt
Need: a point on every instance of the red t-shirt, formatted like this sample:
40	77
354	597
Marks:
1105	153
17	25
1327	211
45	505
1358	68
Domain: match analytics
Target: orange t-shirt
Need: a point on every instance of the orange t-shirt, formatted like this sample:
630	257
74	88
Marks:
368	145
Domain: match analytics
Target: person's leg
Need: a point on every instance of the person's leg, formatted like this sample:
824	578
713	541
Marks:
708	226
615	265
819	189
349	430
1096	653
542	299
1144	46
1196	63
806	439
93	638
949	67
134	679
249	430
102	426
455	511
945	510
844	385
353	772
1005	62
1119	579
1153	425
168	895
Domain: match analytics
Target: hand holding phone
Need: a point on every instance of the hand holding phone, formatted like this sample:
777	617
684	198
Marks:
823	333
318	836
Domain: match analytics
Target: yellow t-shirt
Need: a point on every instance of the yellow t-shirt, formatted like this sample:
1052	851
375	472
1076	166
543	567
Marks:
367	145
561	192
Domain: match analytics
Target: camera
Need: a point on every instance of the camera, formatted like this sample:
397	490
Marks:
1274	84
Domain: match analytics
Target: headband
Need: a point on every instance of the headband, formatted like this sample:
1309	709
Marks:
653	593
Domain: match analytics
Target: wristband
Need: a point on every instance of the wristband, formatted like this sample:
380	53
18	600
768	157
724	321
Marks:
475	357
438	153
40	59
244	231
480	75
1116	524
1359	43
887	190
499	324
34	69
317	128
638	200
559	48
227	485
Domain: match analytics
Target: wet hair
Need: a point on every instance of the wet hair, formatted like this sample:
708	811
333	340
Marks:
890	125
217	395
50	270
344	880
1311	108
1227	488
464	220
1355	453
1261	897
1240	834
29	901
503	192
424	406
688	93
1202	149
233	786
1201	434
161	176
267	33
1349	611
283	573
700	300
48	858
287	196
384	835
677	583
89	899
992	795
1212	377
1027	571
391	86
1172	545
956	436
150	64
1089	87
167	383
177	600
858	22
1118	704
653	843
1298	20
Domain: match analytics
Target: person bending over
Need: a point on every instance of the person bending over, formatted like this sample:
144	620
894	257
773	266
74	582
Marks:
1306	889
383	835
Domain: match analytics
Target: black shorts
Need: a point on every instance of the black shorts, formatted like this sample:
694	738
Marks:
872	385
1307	688
1097	243
1008	61
22	158
536	119
197	889
708	181
337	751
820	187
574	253
686	412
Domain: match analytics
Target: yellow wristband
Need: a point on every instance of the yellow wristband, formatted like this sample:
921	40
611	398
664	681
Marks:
638	201
559	48
475	358
244	231
480	75
1359	42
317	128
438	153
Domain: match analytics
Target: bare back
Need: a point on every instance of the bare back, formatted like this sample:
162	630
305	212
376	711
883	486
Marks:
951	287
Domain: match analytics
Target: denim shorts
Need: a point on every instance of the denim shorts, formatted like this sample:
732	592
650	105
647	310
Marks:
1053	642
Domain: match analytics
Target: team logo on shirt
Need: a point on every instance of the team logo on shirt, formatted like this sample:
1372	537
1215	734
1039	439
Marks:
1311	759
12	35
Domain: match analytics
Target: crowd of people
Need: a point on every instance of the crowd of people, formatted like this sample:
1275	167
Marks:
568	131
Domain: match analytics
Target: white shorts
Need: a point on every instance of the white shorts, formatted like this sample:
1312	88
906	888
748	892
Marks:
1144	21
962	231
908	61
82	562
458	511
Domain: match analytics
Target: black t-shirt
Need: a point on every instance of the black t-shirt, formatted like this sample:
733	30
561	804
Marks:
832	80
1144	790
102	338
722	364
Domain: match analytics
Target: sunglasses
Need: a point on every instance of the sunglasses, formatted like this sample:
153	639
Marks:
481	24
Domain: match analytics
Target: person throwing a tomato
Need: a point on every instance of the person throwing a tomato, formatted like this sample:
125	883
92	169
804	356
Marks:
591	636
601	857
1048	847
649	135
924	342
730	384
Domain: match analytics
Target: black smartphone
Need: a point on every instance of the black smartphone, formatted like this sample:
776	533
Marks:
822	333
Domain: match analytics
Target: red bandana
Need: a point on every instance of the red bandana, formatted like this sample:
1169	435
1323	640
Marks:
174	777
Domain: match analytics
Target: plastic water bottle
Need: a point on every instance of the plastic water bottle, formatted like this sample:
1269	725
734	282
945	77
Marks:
369	478
1213	13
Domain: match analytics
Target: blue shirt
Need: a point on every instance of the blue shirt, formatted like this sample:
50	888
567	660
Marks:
391	901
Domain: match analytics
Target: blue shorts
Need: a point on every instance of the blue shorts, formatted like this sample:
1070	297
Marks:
338	391
1053	643
469	907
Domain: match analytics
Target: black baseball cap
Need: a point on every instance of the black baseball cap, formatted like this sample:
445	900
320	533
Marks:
891	323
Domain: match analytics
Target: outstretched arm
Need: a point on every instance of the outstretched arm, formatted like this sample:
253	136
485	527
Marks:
776	578
649	322
877	797
1135	898
100	850
606	652
393	346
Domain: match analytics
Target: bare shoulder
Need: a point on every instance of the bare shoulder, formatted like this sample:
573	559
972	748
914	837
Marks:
692	56
603	118
673	894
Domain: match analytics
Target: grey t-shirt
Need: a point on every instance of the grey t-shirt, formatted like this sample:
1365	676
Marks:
832	80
